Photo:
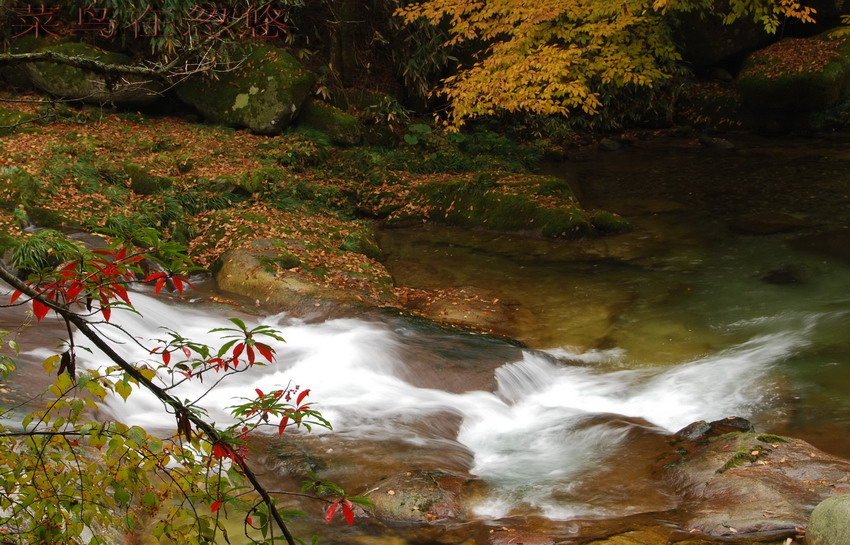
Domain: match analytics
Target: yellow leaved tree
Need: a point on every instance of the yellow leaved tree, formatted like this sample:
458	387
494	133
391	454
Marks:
553	56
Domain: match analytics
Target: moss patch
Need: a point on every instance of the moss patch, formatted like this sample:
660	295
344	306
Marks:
797	74
342	128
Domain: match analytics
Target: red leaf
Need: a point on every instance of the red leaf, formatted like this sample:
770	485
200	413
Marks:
220	451
187	352
39	309
250	355
159	284
121	292
166	357
15	296
347	512
238	350
249	520
215	505
260	393
265	350
154	276
178	284
104	308
73	291
331	511
301	396
283	422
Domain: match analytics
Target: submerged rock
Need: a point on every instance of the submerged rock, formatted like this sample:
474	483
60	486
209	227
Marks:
767	223
749	485
421	496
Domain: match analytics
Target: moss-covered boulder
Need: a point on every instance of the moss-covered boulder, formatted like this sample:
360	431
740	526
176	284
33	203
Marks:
145	183
797	75
830	522
18	75
79	84
264	94
343	129
543	206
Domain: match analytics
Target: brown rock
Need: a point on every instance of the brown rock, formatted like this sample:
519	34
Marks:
748	485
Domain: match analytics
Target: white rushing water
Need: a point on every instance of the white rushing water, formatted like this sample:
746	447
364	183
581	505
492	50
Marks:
531	436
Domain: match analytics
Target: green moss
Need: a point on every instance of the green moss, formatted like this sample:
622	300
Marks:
770	438
145	183
343	129
26	189
283	260
745	456
363	242
12	120
607	222
264	94
459	202
776	82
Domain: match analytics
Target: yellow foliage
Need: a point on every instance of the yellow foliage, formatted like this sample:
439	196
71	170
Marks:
552	56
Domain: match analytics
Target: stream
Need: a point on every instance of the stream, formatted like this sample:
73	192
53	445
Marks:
625	339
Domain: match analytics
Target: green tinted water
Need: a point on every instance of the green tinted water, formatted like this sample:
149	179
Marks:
693	279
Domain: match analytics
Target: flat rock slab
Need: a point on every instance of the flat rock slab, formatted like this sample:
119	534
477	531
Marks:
749	485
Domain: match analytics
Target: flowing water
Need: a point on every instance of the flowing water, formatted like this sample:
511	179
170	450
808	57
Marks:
630	338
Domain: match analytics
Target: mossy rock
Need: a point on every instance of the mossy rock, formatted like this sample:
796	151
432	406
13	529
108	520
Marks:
145	183
507	208
343	129
363	242
607	222
70	82
19	76
829	523
797	75
264	94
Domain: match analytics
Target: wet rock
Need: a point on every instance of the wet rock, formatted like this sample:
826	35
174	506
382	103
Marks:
513	537
748	485
717	144
421	496
767	223
830	522
788	275
609	144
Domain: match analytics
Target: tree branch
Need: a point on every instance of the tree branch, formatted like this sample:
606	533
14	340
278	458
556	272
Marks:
209	431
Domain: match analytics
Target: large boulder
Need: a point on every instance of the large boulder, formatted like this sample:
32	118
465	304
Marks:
830	522
741	485
797	75
74	83
264	94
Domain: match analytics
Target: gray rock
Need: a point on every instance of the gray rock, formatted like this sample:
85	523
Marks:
78	84
265	93
830	522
